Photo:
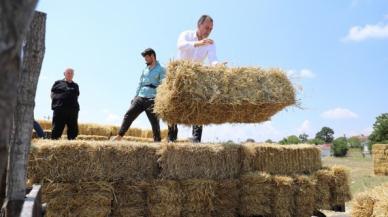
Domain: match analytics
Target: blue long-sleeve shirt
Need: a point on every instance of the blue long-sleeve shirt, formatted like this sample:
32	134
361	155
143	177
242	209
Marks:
149	80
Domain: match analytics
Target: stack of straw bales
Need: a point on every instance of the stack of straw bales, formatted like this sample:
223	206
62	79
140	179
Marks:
82	199
380	159
281	160
199	161
195	94
106	130
373	203
86	161
184	179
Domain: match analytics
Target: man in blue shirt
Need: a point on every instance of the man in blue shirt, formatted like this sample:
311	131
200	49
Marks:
144	100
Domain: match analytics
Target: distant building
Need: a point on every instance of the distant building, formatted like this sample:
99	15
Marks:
325	150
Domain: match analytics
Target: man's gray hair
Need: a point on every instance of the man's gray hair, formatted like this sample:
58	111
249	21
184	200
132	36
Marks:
203	18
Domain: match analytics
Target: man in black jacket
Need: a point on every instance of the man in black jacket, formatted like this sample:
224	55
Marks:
64	95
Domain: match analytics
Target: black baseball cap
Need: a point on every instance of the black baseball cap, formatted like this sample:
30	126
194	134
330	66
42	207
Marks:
148	51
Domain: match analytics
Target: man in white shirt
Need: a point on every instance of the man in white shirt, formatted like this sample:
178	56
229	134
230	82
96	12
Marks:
196	46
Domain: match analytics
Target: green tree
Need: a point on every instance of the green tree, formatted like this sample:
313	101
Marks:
315	141
290	140
354	142
250	140
268	141
293	140
326	134
303	138
340	147
380	130
283	141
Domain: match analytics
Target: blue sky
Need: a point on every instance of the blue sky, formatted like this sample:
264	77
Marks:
335	52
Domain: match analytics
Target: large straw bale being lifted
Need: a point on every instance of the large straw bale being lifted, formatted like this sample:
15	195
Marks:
195	94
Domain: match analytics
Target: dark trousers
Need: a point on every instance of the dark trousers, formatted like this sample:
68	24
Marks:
173	133
138	105
38	129
62	117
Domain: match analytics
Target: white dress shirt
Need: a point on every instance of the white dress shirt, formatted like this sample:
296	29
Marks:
187	51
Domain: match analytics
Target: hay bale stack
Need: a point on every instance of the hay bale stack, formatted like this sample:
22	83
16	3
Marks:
96	129
105	130
165	199
304	196
380	159
332	187
184	161
195	94
373	203
341	191
81	199
227	198
198	197
80	161
130	199
283	203
281	159
256	194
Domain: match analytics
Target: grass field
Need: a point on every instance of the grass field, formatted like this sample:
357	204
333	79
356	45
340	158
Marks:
361	174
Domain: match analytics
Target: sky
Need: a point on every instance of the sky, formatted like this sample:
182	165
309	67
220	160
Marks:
334	52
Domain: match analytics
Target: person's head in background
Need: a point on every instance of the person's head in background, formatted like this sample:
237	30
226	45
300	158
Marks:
204	26
69	74
149	56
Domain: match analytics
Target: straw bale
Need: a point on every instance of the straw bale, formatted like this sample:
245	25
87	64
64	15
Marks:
63	161
373	203
281	159
137	139
165	199
196	94
75	161
95	129
332	187
304	196
198	197
257	194
282	204
199	161
130	199
341	191
380	159
129	161
325	182
92	137
81	199
136	132
227	198
363	205
105	130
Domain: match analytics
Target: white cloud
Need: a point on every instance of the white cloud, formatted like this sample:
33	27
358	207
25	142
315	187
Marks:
302	74
339	113
305	127
359	33
305	73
